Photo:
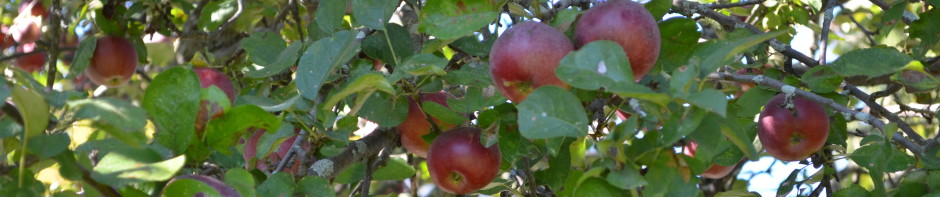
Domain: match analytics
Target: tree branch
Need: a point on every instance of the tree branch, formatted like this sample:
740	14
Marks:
731	5
355	152
849	113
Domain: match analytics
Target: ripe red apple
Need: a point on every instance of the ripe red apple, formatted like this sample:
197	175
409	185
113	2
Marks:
792	135
208	109
37	9
251	148
30	63
460	164
415	125
524	58
627	23
25	31
113	62
713	172
6	40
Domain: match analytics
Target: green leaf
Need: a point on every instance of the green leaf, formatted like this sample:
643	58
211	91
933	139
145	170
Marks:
33	109
822	79
927	30
423	64
278	184
329	14
120	115
679	36
627	178
241	180
223	132
471	74
442	113
752	101
315	186
86	48
448	19
267	144
321	58
189	187
129	166
264	47
281	61
550	112
373	13
385	111
710	58
474	47
269	105
737	193
351	174
711	100
658	8
363	86
559	164
871	62
854	190
171	100
601	64
596	187
394	169
46	146
383	44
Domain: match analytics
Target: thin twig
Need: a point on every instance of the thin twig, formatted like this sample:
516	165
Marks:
238	12
824	36
354	152
868	34
731	5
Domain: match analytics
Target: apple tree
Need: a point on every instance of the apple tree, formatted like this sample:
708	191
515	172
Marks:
469	97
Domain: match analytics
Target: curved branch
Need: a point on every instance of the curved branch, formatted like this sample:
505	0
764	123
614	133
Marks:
731	5
857	115
356	151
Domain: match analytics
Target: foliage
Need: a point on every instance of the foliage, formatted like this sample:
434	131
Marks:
338	73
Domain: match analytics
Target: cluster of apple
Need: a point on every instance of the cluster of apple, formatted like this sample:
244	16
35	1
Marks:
457	161
24	33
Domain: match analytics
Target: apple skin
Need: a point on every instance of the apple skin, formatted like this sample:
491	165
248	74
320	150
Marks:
251	147
30	63
627	23
788	137
460	164
524	58
37	10
207	109
415	124
6	40
715	171
113	62
25	31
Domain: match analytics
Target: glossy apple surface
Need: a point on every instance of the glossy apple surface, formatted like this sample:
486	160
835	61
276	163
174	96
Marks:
627	23
792	135
113	62
524	58
460	164
416	125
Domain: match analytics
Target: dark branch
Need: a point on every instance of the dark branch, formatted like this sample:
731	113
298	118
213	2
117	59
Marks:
356	151
731	5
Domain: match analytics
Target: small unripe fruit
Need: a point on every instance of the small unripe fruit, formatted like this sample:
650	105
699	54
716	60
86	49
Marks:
113	62
524	58
627	23
792	135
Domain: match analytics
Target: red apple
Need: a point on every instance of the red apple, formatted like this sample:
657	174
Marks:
32	62
6	40
792	135
271	160
25	31
627	23
460	164
415	125
524	58
113	62
210	77
37	9
715	171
